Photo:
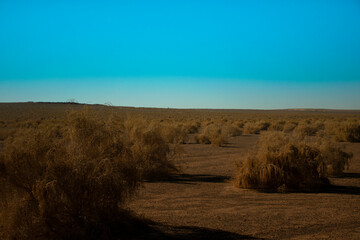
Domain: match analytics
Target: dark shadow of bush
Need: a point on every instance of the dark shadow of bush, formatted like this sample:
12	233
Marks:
162	232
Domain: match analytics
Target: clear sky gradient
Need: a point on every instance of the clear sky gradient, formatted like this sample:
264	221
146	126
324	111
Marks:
182	53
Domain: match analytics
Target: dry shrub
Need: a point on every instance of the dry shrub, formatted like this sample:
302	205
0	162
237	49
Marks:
153	154
5	133
346	131
240	124
175	133
192	128
308	129
256	127
334	157
202	139
277	126
211	134
287	161
289	126
231	130
71	182
305	130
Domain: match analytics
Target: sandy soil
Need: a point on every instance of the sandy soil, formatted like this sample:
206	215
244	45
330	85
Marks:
202	203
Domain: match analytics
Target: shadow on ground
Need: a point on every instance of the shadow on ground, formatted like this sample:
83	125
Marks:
194	178
352	190
159	231
335	189
230	146
349	175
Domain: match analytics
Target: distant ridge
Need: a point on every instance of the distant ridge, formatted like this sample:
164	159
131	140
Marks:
58	103
316	110
310	110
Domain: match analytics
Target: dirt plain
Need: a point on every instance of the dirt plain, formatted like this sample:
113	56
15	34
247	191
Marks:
202	203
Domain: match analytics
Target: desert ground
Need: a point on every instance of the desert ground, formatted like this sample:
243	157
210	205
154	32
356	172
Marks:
202	203
200	199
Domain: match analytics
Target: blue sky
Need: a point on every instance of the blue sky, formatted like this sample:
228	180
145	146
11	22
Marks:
182	54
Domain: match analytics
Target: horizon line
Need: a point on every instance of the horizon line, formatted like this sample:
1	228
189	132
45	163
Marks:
179	108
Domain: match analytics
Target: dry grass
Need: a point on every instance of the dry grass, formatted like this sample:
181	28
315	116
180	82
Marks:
216	133
212	134
289	126
192	127
334	157
346	131
147	145
5	133
277	126
67	177
175	133
71	181
232	130
287	161
307	128
256	127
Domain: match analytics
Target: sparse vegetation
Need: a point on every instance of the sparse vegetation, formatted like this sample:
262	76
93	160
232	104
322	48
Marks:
348	131
277	126
70	182
308	129
71	176
256	127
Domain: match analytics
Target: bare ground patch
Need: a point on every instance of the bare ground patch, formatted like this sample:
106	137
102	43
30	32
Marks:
202	199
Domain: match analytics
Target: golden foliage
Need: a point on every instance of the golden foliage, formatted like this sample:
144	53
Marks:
71	181
288	161
212	134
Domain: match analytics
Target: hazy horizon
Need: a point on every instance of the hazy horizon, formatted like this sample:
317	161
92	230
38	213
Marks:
182	54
